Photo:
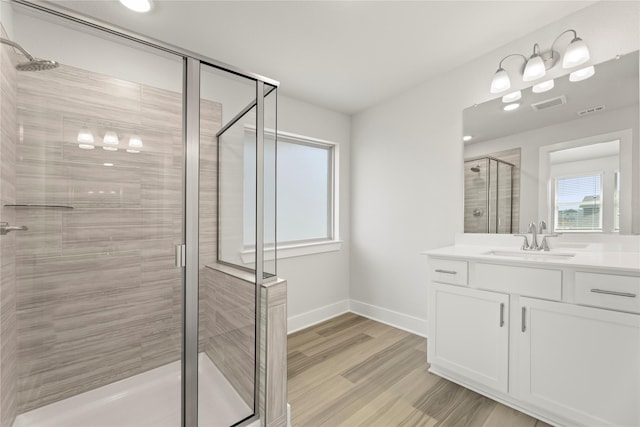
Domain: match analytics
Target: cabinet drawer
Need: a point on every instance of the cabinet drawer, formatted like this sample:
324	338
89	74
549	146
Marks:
531	282
448	271
608	291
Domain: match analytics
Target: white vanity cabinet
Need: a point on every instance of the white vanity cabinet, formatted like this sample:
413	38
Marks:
559	343
581	362
471	333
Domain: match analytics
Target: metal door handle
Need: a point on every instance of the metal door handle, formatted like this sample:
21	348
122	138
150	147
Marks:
5	228
619	294
446	271
524	319
501	314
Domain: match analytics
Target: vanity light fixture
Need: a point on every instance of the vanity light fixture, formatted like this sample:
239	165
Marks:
511	97
140	6
467	138
543	87
109	148
539	62
535	67
511	107
582	74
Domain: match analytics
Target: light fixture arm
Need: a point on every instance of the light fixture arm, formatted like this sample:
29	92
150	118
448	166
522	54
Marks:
575	35
510	55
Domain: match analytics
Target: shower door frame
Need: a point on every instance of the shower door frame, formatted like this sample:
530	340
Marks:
191	142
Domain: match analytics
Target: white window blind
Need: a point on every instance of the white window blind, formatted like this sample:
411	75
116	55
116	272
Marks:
578	203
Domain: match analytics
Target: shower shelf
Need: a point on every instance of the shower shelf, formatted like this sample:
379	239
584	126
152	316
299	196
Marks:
40	206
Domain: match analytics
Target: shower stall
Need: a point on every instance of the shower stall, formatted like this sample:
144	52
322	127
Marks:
131	294
488	195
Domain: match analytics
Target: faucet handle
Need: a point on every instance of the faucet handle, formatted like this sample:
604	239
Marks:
525	242
532	227
542	227
544	246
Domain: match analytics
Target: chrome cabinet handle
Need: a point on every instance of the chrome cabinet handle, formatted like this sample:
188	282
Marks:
501	314
619	294
446	271
5	228
524	319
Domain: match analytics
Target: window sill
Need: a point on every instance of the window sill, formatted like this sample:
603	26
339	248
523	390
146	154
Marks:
292	250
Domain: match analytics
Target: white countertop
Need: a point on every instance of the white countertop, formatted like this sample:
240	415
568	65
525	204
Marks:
622	255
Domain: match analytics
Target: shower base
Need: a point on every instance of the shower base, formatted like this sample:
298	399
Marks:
149	399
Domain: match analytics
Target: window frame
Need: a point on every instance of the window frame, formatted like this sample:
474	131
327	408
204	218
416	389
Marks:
294	248
603	206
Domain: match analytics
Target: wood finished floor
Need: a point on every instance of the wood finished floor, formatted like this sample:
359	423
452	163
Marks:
353	371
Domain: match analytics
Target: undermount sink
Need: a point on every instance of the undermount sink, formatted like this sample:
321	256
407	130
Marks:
531	254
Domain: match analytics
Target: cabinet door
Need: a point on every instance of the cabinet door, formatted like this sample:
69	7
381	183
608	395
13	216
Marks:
469	334
580	362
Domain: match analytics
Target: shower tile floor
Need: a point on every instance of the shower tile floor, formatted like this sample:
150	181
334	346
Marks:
150	399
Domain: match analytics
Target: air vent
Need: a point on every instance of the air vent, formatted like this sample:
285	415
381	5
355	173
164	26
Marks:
549	103
591	110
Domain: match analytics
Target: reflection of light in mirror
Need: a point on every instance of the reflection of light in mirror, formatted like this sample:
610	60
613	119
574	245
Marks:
135	141
108	164
85	136
467	138
543	87
111	138
513	96
582	74
129	150
511	107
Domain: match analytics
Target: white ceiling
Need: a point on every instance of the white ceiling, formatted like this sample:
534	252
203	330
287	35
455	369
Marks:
343	55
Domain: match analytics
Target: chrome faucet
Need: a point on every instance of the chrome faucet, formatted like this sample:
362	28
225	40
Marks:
534	245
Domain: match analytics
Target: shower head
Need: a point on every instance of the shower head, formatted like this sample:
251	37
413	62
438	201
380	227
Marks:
36	64
33	64
475	168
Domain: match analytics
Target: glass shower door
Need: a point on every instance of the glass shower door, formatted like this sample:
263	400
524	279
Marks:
93	156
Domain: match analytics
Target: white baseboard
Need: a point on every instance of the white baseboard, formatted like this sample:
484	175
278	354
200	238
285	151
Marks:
310	318
396	319
408	323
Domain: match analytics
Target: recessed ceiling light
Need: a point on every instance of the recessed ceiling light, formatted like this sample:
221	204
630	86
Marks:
511	107
467	138
137	5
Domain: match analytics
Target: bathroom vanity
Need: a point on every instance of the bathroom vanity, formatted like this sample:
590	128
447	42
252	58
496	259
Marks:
553	334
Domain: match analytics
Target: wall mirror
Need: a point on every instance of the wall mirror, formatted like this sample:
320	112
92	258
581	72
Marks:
569	156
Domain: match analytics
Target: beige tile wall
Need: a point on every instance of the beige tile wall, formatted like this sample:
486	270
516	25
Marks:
99	298
8	139
231	322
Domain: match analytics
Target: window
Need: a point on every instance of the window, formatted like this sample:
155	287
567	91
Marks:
306	191
578	203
